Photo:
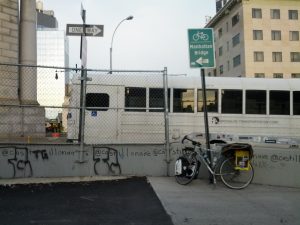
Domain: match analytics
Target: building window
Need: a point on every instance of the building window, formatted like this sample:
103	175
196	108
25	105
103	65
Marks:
277	56
276	35
228	65
295	56
236	61
220	32
293	14
279	103
258	56
235	19
294	35
135	98
227	46
256	102
258	35
227	27
275	14
221	68
97	101
256	13
221	51
296	103
211	100
183	100
259	75
277	75
232	101
157	100
295	75
236	40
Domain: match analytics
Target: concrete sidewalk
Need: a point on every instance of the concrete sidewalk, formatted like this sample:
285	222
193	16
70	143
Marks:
201	203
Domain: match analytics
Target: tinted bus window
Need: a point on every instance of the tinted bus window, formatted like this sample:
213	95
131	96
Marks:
211	100
97	100
183	100
232	101
296	103
279	103
256	102
156	99
136	98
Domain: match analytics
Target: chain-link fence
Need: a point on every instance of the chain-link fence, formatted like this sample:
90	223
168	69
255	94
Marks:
60	105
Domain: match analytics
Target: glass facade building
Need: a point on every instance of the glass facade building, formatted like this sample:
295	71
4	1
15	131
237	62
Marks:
52	50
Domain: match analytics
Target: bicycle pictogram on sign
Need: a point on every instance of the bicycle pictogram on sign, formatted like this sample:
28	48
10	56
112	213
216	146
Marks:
200	36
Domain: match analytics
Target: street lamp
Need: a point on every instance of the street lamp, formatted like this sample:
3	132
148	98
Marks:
112	39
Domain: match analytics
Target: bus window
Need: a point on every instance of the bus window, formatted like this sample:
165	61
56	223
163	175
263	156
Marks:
232	101
156	99
97	100
135	98
256	101
279	103
211	100
296	103
183	100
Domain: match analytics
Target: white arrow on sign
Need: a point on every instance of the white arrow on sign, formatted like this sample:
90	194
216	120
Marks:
93	30
90	30
201	61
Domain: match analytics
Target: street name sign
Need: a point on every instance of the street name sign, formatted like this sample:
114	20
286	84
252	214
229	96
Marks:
201	48
90	30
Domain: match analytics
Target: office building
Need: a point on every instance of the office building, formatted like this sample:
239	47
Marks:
257	38
52	50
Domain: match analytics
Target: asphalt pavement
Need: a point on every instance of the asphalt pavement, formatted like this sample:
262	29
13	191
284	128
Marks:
143	201
111	202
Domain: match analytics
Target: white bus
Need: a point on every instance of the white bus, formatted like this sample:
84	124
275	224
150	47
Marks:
129	109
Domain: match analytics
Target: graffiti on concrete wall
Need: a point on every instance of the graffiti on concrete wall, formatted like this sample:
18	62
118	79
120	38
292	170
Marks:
17	159
18	162
40	154
38	161
271	161
106	161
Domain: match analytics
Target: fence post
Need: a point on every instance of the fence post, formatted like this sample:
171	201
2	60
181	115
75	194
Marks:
82	119
166	115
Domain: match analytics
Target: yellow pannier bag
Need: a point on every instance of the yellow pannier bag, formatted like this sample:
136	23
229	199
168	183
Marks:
242	160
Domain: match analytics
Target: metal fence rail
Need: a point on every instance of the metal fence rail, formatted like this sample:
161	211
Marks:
41	104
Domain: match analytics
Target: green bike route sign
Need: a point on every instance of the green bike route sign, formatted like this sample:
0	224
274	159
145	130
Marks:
201	48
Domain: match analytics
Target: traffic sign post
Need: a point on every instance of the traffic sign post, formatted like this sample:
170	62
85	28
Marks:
83	30
202	55
201	48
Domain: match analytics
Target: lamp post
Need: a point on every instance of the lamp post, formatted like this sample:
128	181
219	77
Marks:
112	40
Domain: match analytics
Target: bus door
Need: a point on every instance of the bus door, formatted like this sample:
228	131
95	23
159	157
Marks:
101	122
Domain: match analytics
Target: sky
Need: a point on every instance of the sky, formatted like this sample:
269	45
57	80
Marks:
154	39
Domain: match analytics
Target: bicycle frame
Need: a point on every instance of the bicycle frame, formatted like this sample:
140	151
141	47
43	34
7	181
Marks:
200	155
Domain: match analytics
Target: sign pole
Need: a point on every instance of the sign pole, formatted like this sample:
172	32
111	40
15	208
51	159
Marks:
82	88
202	55
205	111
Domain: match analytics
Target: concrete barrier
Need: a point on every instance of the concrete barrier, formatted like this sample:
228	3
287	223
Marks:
274	165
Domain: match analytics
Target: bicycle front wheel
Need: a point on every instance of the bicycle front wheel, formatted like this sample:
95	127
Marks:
186	168
235	178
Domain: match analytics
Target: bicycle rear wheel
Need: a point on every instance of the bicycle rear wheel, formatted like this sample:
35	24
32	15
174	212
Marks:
235	178
186	168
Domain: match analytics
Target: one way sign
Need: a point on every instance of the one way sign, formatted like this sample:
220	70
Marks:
90	30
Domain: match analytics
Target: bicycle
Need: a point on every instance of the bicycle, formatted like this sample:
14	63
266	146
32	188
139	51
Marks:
234	168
